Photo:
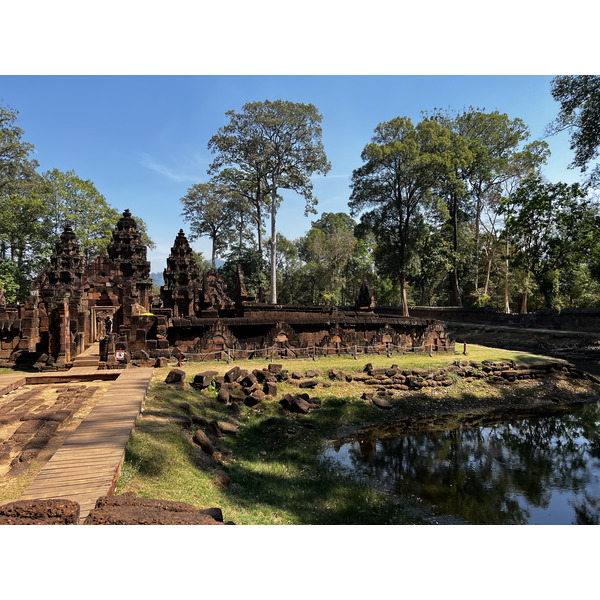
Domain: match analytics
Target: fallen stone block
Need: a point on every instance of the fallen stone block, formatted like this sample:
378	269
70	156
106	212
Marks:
40	512
270	388
381	403
308	383
202	440
233	374
129	510
175	376
203	380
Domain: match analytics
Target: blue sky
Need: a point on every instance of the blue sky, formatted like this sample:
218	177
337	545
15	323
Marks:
143	140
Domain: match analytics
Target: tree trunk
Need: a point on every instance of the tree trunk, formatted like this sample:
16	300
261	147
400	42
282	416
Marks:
404	302
488	273
456	301
506	299
454	275
214	252
259	218
477	219
524	299
273	244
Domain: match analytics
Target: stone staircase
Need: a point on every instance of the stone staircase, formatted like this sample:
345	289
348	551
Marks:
88	358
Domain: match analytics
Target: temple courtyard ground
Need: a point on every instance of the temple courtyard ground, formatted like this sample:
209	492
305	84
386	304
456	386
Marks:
259	461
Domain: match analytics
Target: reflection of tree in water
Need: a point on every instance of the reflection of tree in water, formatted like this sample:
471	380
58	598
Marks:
478	474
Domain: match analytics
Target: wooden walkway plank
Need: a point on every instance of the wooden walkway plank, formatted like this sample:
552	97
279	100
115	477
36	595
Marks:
87	465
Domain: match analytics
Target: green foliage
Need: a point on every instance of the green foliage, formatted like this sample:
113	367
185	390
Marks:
579	97
254	269
12	282
548	224
395	183
16	165
203	264
209	211
75	201
279	143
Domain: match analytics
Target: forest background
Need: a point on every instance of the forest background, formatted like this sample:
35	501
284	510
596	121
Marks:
454	209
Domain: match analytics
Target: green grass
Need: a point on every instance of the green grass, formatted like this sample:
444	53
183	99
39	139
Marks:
275	475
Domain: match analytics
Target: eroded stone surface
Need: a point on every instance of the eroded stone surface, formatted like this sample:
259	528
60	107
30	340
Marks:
129	510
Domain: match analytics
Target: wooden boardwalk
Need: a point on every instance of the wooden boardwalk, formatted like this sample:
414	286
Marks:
87	465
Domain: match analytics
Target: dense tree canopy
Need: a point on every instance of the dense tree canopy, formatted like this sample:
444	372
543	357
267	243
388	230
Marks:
452	210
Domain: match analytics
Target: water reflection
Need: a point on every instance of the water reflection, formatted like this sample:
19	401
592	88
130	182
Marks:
537	470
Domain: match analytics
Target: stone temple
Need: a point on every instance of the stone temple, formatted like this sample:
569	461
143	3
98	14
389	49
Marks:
110	300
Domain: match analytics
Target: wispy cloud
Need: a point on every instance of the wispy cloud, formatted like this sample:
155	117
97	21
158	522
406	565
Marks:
191	170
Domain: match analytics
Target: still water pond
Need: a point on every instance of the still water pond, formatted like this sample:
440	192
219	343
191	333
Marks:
541	470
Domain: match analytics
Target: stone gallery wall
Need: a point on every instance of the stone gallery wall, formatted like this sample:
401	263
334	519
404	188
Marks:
568	319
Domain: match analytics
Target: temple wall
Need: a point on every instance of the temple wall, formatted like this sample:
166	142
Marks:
568	319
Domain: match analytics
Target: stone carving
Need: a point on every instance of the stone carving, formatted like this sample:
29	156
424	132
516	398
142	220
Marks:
366	299
214	292
182	279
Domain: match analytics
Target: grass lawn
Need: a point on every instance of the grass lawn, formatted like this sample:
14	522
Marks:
272	465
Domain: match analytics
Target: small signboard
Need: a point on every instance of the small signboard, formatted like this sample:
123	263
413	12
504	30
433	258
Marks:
120	354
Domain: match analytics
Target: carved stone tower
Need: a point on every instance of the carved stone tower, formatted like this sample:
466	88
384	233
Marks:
182	279
128	252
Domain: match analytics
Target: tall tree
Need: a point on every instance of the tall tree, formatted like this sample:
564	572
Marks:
282	141
579	97
543	224
15	162
208	210
76	201
251	191
495	142
395	182
326	250
450	160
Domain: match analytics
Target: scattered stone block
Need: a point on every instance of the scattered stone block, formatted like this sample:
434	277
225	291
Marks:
223	479
175	376
203	380
40	512
248	380
275	368
308	383
270	388
224	393
381	403
202	440
129	510
228	428
214	429
295	404
233	374
252	400
311	373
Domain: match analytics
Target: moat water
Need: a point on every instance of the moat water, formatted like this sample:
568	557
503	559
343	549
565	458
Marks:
537	470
